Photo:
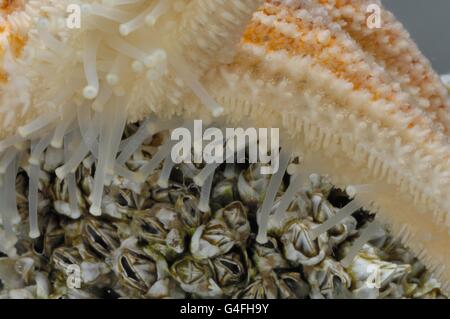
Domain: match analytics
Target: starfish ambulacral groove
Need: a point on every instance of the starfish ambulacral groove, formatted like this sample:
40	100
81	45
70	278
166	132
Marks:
361	105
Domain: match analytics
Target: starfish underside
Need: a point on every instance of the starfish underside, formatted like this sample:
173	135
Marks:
362	105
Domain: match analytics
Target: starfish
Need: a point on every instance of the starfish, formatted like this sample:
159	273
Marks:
359	104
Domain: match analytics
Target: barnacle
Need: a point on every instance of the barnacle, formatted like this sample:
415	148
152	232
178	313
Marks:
361	105
142	255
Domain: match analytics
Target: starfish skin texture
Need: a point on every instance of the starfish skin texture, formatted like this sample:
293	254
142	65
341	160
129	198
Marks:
361	105
394	50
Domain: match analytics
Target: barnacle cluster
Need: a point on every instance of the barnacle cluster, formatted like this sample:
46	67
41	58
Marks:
156	241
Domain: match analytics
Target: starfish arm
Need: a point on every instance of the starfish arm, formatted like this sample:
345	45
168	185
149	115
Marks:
155	52
347	119
393	48
13	38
